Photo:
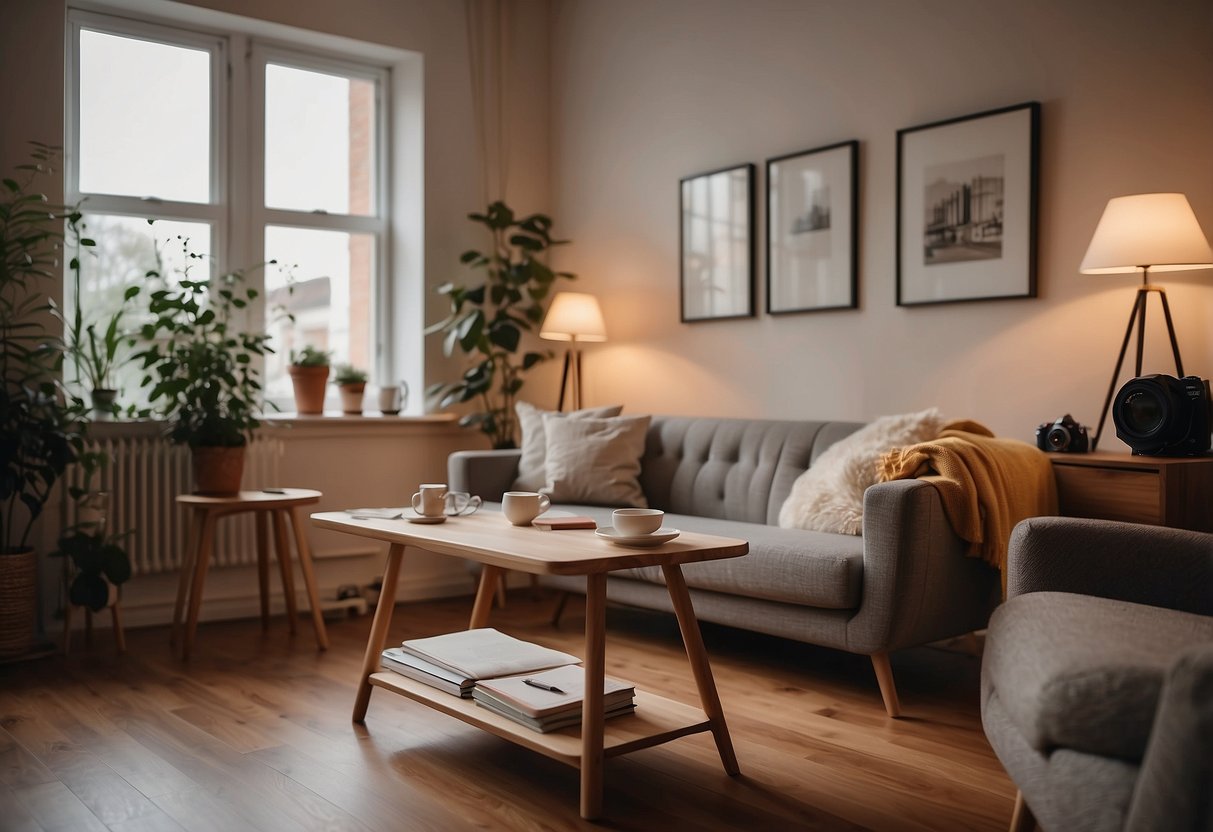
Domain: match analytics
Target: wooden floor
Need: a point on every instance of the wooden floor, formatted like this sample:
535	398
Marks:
255	733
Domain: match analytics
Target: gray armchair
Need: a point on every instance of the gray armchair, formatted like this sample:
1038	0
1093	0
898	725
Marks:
1097	679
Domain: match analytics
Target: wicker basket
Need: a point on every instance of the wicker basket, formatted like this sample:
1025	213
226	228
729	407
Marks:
18	602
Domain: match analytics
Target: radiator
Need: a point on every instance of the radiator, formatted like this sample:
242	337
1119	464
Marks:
145	474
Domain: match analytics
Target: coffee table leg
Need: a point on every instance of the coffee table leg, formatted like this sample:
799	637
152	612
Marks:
591	707
379	628
702	670
490	578
304	550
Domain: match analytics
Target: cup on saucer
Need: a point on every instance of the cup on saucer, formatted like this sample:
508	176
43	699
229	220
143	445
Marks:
634	522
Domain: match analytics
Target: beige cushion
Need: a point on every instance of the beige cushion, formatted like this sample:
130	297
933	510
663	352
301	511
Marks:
531	475
595	461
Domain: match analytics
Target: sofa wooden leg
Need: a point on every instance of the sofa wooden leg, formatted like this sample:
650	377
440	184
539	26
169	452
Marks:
888	690
1022	819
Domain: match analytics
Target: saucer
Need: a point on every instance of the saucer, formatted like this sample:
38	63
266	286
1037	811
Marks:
413	517
658	537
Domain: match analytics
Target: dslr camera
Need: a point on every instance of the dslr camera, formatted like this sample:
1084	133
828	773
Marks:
1063	435
1161	415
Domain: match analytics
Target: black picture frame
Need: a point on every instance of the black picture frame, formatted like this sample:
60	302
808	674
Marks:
812	218
967	205
716	244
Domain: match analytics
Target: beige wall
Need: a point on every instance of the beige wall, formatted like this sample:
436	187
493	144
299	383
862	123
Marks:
645	93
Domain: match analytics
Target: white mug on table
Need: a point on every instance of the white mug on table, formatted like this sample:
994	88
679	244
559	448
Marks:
521	507
430	499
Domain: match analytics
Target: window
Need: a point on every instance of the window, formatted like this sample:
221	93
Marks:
251	152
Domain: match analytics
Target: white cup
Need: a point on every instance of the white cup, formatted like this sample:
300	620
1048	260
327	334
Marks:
521	507
430	500
389	400
637	521
461	503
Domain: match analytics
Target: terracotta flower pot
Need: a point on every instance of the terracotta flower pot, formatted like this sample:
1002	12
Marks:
310	386
351	397
218	470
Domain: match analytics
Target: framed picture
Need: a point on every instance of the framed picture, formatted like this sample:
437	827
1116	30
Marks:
966	207
716	221
812	217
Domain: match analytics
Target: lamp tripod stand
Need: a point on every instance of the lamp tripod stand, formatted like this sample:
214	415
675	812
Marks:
570	380
1138	315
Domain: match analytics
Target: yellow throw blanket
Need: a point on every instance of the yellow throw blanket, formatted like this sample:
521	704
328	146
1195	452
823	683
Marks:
987	485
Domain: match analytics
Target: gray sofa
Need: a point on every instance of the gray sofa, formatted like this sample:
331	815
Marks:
1097	679
905	582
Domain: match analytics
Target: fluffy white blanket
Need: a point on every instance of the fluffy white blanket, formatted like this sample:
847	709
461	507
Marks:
828	497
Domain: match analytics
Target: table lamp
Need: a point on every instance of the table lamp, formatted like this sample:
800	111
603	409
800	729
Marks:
573	317
1145	231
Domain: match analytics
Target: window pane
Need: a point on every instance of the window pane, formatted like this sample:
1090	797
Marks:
319	142
145	118
127	248
323	279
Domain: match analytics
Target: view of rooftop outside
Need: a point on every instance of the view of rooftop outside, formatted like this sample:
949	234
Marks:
144	131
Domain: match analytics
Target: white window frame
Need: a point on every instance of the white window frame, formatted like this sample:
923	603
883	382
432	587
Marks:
214	210
378	225
236	211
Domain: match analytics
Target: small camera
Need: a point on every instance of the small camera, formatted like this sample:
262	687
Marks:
1064	435
1161	415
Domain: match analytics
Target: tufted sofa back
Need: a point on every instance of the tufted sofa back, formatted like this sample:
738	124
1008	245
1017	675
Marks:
731	469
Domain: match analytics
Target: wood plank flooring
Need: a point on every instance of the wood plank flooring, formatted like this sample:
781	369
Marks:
254	733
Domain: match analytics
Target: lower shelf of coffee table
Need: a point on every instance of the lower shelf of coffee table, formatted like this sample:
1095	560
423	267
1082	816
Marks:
655	721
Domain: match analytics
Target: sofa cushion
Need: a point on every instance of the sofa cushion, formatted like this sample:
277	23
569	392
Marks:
531	472
792	566
1076	671
595	461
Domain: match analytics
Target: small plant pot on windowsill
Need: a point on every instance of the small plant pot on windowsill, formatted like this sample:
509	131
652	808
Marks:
310	383
103	403
351	397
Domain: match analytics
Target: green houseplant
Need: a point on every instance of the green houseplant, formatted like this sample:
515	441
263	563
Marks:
487	319
41	425
309	371
202	368
351	383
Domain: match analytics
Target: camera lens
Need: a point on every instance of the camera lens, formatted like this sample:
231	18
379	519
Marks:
1058	438
1143	411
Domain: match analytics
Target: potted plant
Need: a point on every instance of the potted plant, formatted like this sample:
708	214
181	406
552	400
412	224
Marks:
95	565
203	369
309	371
351	383
487	320
41	425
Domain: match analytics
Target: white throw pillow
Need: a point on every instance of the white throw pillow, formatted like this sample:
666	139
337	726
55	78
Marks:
531	474
828	497
595	461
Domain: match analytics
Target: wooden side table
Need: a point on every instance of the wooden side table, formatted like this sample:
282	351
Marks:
204	512
1163	491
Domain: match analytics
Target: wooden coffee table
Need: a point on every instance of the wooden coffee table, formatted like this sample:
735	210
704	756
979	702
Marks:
488	538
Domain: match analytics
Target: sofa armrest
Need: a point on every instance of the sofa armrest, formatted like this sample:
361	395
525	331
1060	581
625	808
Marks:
486	473
1153	565
1172	790
918	583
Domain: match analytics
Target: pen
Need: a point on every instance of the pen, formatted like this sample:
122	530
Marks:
541	686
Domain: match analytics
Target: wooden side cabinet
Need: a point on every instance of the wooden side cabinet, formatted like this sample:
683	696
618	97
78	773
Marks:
1164	491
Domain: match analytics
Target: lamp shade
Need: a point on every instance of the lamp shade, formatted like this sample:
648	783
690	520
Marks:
573	316
1158	231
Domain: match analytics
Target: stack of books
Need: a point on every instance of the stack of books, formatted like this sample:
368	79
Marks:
550	700
455	661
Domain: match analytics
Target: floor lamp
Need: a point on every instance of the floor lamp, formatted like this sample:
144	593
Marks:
1145	232
573	317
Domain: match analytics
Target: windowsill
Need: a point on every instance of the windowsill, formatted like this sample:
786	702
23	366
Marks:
329	423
